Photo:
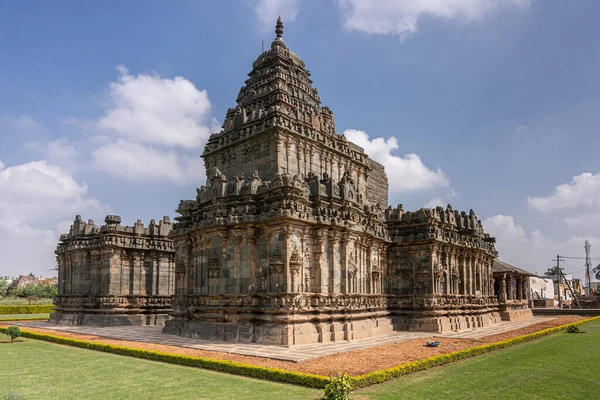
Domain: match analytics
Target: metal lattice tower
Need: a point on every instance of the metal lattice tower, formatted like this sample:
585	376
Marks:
588	280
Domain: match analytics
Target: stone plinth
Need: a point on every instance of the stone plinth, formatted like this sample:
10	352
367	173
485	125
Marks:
265	318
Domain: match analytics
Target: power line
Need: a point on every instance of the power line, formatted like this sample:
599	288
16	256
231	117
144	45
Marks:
580	258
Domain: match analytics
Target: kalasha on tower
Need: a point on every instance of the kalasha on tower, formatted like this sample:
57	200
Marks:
286	243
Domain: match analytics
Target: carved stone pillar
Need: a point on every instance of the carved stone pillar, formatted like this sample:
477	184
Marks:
334	272
434	268
509	290
223	263
503	293
295	263
190	269
383	263
287	273
250	244
468	268
237	267
137	267
320	266
491	275
344	264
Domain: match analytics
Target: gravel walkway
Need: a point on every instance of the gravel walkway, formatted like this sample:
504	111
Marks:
355	357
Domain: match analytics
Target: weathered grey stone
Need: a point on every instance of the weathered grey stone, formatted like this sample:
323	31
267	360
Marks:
291	240
115	275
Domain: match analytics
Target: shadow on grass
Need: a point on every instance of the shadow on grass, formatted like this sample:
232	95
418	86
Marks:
9	342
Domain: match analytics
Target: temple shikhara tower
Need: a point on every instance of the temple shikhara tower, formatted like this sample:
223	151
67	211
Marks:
286	243
292	241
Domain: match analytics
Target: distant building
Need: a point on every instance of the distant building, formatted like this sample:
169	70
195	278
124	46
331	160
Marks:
22	281
541	292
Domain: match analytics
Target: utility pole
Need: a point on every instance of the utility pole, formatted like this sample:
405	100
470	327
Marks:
588	276
571	290
558	276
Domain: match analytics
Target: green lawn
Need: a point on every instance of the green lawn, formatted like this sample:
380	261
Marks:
17	301
7	317
40	370
560	366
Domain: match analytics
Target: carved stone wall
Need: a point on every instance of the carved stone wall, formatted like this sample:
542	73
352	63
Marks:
114	274
282	245
288	242
440	270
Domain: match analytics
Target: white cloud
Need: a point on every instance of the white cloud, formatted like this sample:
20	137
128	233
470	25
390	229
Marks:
151	109
441	201
581	220
26	122
33	196
534	251
581	194
404	173
140	162
401	17
156	129
61	152
435	202
521	129
504	227
267	12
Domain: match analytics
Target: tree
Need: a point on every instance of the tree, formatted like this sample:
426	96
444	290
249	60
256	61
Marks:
552	271
338	388
14	332
43	290
3	286
596	272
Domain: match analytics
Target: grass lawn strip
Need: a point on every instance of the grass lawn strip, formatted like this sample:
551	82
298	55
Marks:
271	374
354	363
436	361
280	375
41	370
24	317
561	366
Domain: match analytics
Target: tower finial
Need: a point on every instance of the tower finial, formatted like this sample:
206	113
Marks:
278	32
279	27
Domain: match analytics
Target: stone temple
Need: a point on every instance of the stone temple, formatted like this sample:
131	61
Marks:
292	241
114	274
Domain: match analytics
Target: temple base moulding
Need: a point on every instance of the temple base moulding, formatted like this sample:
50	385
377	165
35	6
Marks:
103	320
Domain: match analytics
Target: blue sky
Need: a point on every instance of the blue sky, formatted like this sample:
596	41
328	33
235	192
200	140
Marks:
485	104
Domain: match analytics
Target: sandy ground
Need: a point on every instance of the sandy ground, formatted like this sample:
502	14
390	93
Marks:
352	362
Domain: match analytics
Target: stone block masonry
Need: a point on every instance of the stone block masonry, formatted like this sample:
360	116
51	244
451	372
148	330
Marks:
290	241
115	275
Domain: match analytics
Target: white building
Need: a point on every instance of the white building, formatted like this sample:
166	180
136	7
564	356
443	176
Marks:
541	288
